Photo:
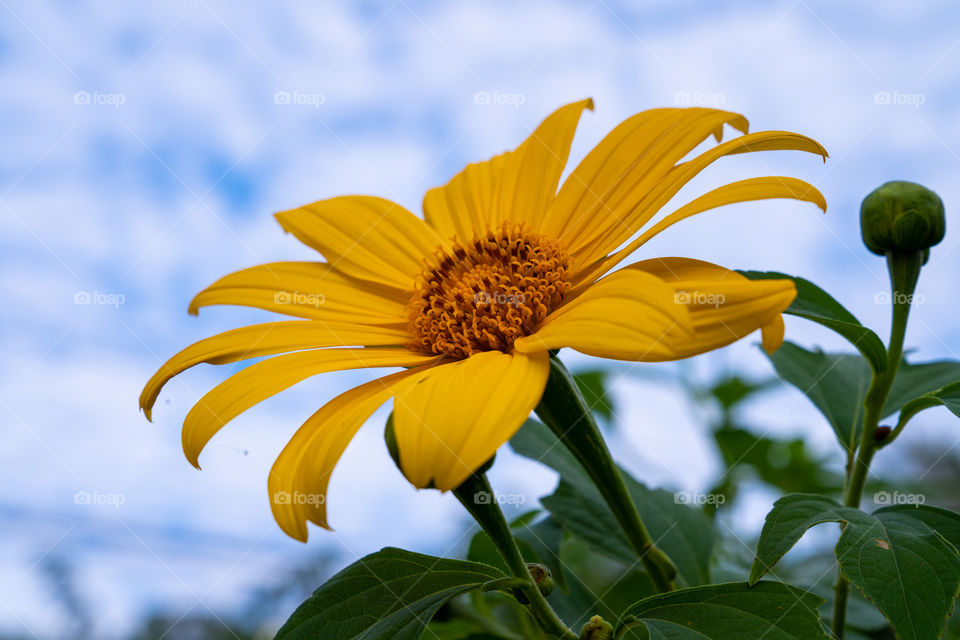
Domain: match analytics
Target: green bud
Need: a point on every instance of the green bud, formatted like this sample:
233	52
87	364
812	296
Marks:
542	577
902	217
596	629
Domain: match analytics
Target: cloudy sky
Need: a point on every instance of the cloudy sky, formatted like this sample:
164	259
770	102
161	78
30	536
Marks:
144	147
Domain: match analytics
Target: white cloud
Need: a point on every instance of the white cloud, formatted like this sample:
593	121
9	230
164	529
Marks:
104	199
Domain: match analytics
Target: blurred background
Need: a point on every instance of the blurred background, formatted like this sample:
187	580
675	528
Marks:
144	147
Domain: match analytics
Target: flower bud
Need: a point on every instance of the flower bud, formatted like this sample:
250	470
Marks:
596	629
901	217
542	577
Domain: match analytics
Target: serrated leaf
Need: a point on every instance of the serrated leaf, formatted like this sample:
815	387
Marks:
944	522
390	594
896	559
683	533
815	304
732	611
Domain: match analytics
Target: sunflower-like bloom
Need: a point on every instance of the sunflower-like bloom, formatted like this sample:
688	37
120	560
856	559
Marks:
505	266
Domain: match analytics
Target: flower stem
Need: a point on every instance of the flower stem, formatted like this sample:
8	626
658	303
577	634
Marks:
904	271
477	498
565	411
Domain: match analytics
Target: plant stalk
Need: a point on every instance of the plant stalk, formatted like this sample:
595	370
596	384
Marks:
478	499
904	271
565	411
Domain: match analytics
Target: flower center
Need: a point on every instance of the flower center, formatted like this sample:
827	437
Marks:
484	295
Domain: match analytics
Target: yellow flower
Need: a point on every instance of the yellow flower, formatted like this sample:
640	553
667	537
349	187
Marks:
470	299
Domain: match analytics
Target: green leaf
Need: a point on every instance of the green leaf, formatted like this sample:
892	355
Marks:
836	383
732	611
788	465
897	559
948	396
944	522
813	303
593	386
535	441
388	594
456	629
682	532
915	380
733	390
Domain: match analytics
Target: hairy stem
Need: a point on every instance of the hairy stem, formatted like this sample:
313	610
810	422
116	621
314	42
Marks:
477	498
904	270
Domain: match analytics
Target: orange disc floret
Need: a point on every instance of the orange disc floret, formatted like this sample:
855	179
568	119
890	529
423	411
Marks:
485	294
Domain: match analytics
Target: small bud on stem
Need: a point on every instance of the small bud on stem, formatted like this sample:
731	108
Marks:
901	217
542	577
596	629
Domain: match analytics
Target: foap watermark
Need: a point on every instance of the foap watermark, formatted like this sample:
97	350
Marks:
485	497
299	298
699	298
886	498
698	499
300	98
886	297
297	497
100	298
97	498
500	298
899	98
99	98
698	99
500	98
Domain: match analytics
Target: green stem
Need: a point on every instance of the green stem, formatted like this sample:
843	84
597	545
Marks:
565	411
904	271
478	499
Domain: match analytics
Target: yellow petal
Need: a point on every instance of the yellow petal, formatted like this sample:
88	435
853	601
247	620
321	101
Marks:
268	339
772	334
311	290
623	167
642	210
364	237
629	315
269	377
299	478
725	306
743	191
449	423
518	185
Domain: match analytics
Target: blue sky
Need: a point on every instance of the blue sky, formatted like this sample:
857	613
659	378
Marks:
145	147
